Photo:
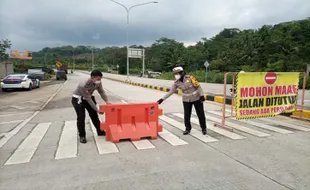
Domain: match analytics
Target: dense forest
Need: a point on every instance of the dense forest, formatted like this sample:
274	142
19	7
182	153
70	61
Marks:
281	47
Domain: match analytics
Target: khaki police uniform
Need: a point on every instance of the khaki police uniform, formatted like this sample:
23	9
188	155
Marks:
191	93
82	99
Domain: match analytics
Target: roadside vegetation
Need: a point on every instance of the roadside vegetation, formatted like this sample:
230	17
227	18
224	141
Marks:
284	47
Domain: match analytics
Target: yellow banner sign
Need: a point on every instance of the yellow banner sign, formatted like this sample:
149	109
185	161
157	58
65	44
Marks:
58	64
266	94
20	55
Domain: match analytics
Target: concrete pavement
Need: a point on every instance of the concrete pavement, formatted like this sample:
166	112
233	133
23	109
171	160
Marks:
45	153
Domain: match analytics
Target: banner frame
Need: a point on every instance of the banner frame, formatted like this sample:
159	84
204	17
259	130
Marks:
222	124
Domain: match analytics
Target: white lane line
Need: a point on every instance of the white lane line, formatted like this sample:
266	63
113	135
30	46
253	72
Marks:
239	127
67	147
195	133
26	150
9	122
17	107
143	144
124	101
286	124
14	114
218	130
260	125
9	135
171	138
103	146
53	95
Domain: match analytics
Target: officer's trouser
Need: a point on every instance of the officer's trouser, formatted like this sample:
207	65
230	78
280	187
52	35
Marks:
80	112
200	113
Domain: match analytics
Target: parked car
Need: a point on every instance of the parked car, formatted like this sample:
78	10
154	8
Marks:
19	81
61	74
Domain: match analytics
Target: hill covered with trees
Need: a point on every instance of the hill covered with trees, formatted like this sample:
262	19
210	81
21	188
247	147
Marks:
281	47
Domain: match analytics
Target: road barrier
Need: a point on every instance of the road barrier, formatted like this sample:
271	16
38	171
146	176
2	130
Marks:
131	121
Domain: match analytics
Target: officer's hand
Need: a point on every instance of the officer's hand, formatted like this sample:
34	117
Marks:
202	98
160	101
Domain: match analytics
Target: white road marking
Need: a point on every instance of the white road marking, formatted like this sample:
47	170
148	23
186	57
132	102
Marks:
103	146
195	133
53	96
68	141
260	125
9	122
9	135
239	127
14	114
17	107
171	138
286	124
26	150
124	101
143	144
218	130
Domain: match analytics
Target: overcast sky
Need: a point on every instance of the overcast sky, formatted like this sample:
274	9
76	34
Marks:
35	24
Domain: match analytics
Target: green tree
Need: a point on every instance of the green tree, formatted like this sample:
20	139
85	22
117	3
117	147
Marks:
4	44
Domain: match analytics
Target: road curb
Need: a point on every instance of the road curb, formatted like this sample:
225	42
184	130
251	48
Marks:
208	97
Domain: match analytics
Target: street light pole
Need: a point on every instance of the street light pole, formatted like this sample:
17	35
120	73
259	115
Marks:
92	56
128	10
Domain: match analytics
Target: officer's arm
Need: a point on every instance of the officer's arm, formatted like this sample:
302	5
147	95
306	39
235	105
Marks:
172	91
197	85
83	90
102	93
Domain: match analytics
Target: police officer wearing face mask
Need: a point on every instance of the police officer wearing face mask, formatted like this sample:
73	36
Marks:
192	95
83	99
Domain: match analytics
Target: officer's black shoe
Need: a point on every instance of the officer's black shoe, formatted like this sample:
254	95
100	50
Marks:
83	140
204	132
101	133
186	132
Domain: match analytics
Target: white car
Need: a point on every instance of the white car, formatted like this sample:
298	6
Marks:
19	81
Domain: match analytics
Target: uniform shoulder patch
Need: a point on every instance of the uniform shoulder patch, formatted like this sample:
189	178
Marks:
88	84
194	81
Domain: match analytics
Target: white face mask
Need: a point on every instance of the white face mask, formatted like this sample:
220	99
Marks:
177	76
97	82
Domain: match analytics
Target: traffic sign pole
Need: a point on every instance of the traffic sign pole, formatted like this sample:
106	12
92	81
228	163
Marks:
206	64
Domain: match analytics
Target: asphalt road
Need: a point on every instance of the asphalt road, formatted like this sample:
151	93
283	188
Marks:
209	88
41	151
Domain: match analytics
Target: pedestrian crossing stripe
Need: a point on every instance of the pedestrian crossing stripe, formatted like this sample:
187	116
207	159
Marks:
25	151
260	125
68	145
218	130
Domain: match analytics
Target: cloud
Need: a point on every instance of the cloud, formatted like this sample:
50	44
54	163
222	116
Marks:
36	24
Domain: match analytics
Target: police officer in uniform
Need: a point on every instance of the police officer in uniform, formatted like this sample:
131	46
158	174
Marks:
192	95
83	99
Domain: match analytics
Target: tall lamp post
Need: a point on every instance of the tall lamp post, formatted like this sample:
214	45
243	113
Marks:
92	57
128	10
